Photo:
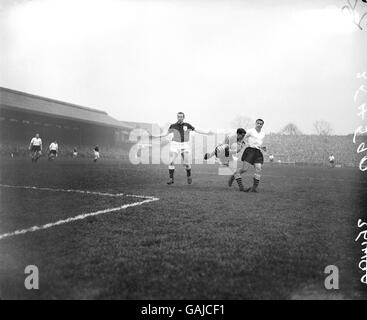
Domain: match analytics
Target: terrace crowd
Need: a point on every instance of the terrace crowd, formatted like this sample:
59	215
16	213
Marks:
293	148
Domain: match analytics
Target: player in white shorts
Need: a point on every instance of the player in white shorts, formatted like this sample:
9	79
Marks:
36	147
180	145
53	149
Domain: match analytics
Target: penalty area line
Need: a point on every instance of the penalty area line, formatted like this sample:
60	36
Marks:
78	217
96	193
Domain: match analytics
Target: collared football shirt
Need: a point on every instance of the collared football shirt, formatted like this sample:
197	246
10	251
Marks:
54	146
254	139
36	141
181	131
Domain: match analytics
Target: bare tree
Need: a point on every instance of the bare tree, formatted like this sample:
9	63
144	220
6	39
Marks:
290	129
355	14
242	122
323	128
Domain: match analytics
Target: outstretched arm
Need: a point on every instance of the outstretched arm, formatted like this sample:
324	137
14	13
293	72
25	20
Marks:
209	133
160	136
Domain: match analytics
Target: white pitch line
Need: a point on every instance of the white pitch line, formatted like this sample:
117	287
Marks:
78	191
78	217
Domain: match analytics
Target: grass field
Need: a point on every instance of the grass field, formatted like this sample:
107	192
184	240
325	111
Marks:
199	241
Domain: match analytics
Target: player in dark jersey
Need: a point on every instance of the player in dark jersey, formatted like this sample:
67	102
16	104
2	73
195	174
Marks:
180	145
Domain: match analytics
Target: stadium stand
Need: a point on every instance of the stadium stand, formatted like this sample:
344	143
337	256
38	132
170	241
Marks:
22	115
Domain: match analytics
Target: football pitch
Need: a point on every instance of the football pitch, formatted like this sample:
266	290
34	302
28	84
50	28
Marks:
113	230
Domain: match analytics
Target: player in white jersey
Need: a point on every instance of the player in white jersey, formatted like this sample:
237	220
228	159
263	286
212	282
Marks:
251	156
53	150
226	151
35	147
75	152
271	158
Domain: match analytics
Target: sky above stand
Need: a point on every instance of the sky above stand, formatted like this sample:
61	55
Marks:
283	61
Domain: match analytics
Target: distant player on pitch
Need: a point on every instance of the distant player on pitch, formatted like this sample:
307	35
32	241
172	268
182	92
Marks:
332	160
251	156
180	145
53	150
96	153
271	159
75	153
35	147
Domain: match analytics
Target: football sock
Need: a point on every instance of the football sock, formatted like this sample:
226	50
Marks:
171	170
188	172
256	183
230	181
239	182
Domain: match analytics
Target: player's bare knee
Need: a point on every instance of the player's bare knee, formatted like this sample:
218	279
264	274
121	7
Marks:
257	174
245	167
258	168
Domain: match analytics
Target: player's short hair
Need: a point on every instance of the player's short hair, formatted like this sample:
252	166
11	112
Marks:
260	120
241	131
181	113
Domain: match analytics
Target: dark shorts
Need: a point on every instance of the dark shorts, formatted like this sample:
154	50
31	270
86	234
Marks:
53	152
36	148
252	155
331	161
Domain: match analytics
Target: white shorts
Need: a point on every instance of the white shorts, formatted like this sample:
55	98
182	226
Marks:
96	154
179	147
